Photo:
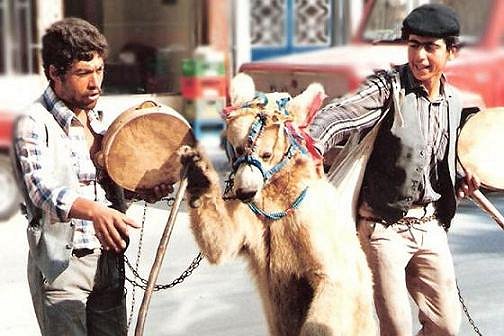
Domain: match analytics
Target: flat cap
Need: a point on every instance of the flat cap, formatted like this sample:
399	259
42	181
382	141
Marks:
434	20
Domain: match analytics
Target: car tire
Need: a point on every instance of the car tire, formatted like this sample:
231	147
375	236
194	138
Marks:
9	193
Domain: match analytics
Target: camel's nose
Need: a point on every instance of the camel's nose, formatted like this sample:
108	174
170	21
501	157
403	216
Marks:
245	195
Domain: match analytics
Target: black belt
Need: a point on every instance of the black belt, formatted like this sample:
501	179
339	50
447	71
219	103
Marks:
82	252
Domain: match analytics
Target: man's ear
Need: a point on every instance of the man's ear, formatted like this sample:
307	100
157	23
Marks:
453	53
53	73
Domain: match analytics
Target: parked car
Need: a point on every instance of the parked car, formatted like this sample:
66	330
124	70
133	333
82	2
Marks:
478	70
9	194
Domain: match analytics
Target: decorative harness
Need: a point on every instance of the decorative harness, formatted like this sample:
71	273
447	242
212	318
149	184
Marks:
249	157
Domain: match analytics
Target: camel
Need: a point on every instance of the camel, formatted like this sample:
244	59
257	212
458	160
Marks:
280	214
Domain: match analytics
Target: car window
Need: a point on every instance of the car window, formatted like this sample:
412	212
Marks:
386	16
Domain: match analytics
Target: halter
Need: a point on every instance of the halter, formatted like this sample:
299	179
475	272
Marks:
250	158
255	132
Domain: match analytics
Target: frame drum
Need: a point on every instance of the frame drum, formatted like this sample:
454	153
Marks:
481	147
139	150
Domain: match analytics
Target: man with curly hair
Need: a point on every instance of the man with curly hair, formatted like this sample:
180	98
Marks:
77	230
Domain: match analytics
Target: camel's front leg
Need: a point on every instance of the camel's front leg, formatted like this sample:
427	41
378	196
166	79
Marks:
339	309
217	234
327	312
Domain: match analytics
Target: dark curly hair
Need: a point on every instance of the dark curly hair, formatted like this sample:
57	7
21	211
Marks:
69	40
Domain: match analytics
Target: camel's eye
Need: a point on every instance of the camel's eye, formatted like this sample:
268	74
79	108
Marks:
240	151
266	155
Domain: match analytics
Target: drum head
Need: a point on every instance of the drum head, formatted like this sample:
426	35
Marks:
480	146
140	147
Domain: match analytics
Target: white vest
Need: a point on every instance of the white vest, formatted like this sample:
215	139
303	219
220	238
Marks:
50	242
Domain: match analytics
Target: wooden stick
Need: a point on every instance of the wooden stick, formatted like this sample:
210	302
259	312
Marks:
142	314
484	204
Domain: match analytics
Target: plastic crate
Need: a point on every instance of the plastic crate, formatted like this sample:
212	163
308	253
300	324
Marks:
208	109
203	87
198	68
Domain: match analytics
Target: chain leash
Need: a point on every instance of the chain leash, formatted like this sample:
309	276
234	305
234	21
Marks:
466	312
143	282
137	262
138	280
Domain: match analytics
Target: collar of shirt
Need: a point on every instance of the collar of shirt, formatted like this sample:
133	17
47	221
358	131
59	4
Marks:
412	84
66	118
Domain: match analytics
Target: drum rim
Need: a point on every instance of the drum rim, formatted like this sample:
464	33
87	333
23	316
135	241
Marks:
130	116
464	130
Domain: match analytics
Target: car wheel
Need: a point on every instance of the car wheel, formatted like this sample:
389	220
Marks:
9	193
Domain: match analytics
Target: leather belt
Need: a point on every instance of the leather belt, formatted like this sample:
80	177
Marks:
82	252
415	215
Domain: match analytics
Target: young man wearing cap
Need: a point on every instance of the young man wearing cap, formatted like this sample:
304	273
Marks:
408	196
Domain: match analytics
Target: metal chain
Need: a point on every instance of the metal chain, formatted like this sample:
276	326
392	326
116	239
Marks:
143	282
466	312
137	262
134	269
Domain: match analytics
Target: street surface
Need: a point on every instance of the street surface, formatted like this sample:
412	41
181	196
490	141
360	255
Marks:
222	301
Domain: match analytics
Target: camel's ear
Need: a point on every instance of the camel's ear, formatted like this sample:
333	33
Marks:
242	89
303	106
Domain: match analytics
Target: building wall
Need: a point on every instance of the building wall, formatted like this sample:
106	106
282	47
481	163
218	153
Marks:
219	28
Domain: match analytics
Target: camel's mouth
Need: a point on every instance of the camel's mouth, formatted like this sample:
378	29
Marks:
246	196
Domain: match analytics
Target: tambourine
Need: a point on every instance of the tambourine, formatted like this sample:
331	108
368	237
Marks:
479	149
139	149
480	146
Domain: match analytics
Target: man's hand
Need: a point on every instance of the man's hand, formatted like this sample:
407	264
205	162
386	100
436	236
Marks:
111	226
469	184
155	194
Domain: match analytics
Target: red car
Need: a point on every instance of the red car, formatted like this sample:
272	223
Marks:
9	195
478	70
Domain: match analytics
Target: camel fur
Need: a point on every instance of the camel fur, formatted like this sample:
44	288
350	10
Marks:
310	271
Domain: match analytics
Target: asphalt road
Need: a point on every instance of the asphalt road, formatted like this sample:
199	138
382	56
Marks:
221	300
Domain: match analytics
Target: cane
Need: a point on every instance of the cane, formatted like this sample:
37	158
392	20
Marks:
161	251
484	204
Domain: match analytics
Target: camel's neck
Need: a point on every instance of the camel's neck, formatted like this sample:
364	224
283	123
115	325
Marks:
288	183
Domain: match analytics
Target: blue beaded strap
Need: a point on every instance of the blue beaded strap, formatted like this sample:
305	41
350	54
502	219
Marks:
250	160
256	129
260	101
282	103
278	214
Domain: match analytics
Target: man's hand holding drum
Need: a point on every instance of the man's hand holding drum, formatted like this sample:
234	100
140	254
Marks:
155	194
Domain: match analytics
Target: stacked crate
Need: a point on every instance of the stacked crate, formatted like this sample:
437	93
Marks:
203	87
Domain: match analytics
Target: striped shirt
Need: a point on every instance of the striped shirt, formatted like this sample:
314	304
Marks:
361	110
31	147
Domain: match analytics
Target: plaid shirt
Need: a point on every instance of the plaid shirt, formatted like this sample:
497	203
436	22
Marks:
359	111
30	145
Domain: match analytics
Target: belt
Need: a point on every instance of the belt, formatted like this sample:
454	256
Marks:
413	220
415	215
82	252
420	211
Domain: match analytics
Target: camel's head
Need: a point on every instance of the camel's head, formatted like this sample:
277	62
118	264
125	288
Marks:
262	132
